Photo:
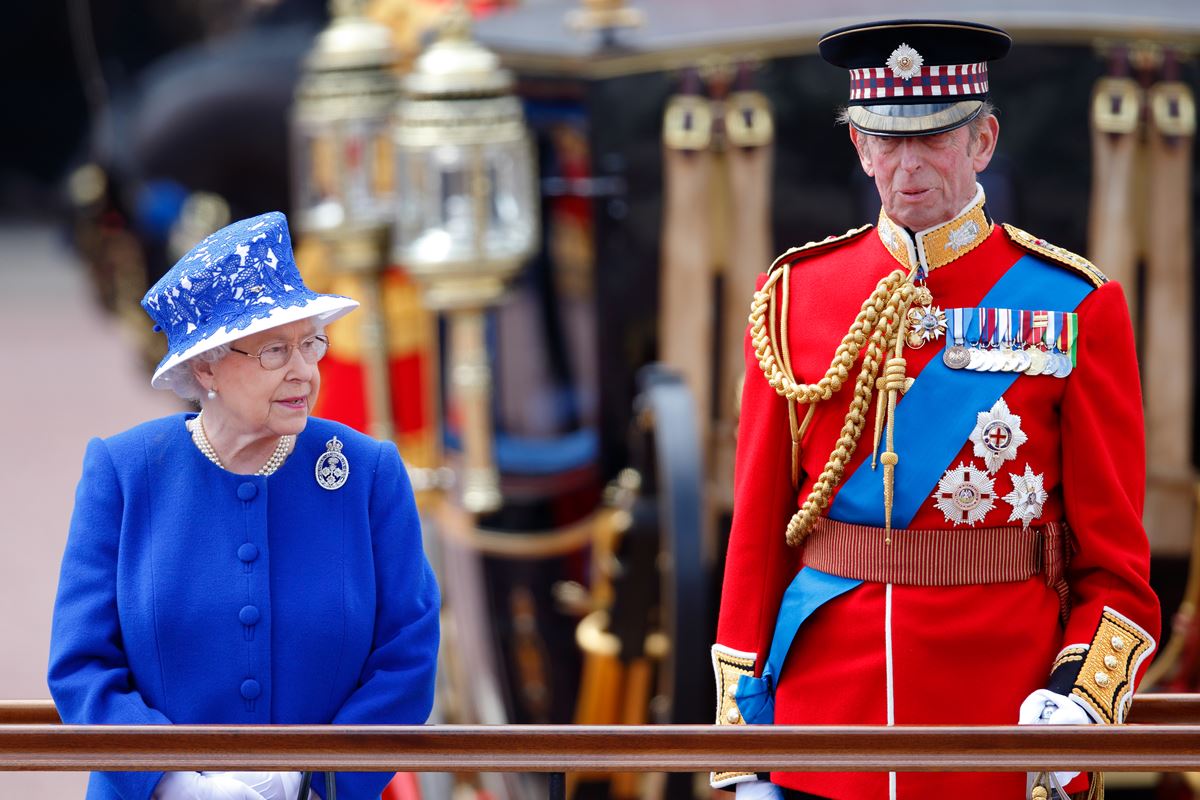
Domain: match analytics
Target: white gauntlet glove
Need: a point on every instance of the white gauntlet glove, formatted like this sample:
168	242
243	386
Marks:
270	785
758	790
1045	707
201	786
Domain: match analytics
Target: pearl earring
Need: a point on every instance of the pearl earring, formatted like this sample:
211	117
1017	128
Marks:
212	394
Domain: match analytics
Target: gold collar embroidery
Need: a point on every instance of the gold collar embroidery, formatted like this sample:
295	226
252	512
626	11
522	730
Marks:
937	246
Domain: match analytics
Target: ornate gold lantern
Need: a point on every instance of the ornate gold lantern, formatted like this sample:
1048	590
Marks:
466	216
343	176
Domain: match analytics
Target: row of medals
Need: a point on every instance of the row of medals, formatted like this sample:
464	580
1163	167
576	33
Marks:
927	323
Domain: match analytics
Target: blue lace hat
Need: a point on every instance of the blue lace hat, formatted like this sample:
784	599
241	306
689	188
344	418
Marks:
239	281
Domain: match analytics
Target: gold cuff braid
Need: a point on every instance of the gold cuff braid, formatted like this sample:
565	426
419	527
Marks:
1105	681
729	666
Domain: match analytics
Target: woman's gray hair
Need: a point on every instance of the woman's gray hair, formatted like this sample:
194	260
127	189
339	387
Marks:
182	379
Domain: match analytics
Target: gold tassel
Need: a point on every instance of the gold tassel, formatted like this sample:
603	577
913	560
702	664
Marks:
894	381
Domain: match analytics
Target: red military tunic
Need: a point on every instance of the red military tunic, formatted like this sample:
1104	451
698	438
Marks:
885	653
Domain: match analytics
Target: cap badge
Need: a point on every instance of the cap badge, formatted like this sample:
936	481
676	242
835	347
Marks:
332	467
905	62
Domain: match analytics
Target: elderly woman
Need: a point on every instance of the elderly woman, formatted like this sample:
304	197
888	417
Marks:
247	564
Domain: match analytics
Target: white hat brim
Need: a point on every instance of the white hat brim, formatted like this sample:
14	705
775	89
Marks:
326	308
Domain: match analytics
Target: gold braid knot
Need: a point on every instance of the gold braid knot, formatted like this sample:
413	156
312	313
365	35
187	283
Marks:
876	330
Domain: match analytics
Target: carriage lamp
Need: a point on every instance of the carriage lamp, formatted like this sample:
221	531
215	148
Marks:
465	217
343	174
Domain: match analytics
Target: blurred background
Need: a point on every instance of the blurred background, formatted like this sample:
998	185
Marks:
553	212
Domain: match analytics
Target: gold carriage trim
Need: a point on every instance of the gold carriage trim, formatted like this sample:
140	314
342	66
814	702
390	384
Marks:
1027	241
1105	681
730	665
794	254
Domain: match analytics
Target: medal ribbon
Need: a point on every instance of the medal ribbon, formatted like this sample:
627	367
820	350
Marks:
929	431
1067	338
1040	321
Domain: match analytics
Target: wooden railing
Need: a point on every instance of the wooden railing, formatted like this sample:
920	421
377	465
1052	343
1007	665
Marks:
1164	738
1148	709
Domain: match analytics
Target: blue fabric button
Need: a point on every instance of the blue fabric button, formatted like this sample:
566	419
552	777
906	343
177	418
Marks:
248	615
251	689
248	552
247	491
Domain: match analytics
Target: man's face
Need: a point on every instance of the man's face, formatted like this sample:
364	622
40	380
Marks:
924	181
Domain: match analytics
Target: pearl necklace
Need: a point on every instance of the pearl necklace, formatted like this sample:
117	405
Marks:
204	446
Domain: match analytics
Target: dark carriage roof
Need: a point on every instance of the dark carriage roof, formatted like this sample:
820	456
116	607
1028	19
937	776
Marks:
535	38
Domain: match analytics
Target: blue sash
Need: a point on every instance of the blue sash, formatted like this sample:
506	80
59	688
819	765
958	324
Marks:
808	591
936	416
929	433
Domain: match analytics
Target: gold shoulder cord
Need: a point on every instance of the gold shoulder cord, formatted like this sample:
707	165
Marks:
878	329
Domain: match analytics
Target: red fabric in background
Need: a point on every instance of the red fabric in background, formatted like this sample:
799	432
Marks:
403	787
343	393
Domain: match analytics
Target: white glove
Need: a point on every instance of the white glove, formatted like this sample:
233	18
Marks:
758	790
271	785
1045	707
197	786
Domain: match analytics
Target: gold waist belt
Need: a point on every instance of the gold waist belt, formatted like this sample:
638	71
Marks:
952	557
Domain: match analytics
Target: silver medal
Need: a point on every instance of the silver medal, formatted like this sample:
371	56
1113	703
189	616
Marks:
956	357
1007	360
1063	368
332	467
995	361
1037	362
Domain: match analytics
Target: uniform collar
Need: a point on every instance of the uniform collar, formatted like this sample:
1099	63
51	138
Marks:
936	247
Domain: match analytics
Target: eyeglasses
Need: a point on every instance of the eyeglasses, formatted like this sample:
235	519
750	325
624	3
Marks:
275	356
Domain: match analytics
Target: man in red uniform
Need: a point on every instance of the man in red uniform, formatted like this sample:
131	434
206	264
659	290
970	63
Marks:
940	468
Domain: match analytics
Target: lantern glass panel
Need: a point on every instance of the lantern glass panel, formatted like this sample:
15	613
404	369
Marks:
463	203
343	174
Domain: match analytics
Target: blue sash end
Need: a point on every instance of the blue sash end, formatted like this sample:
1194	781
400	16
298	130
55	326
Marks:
807	592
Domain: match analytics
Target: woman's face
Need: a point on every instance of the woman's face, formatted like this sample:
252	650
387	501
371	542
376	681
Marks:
253	399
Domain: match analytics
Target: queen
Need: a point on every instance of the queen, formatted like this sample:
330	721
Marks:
246	564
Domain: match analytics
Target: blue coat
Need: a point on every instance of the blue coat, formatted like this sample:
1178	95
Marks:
190	595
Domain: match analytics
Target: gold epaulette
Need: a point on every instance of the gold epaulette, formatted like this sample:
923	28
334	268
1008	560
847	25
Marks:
1027	241
812	248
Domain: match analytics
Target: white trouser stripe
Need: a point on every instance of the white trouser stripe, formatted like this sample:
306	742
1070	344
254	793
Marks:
891	696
